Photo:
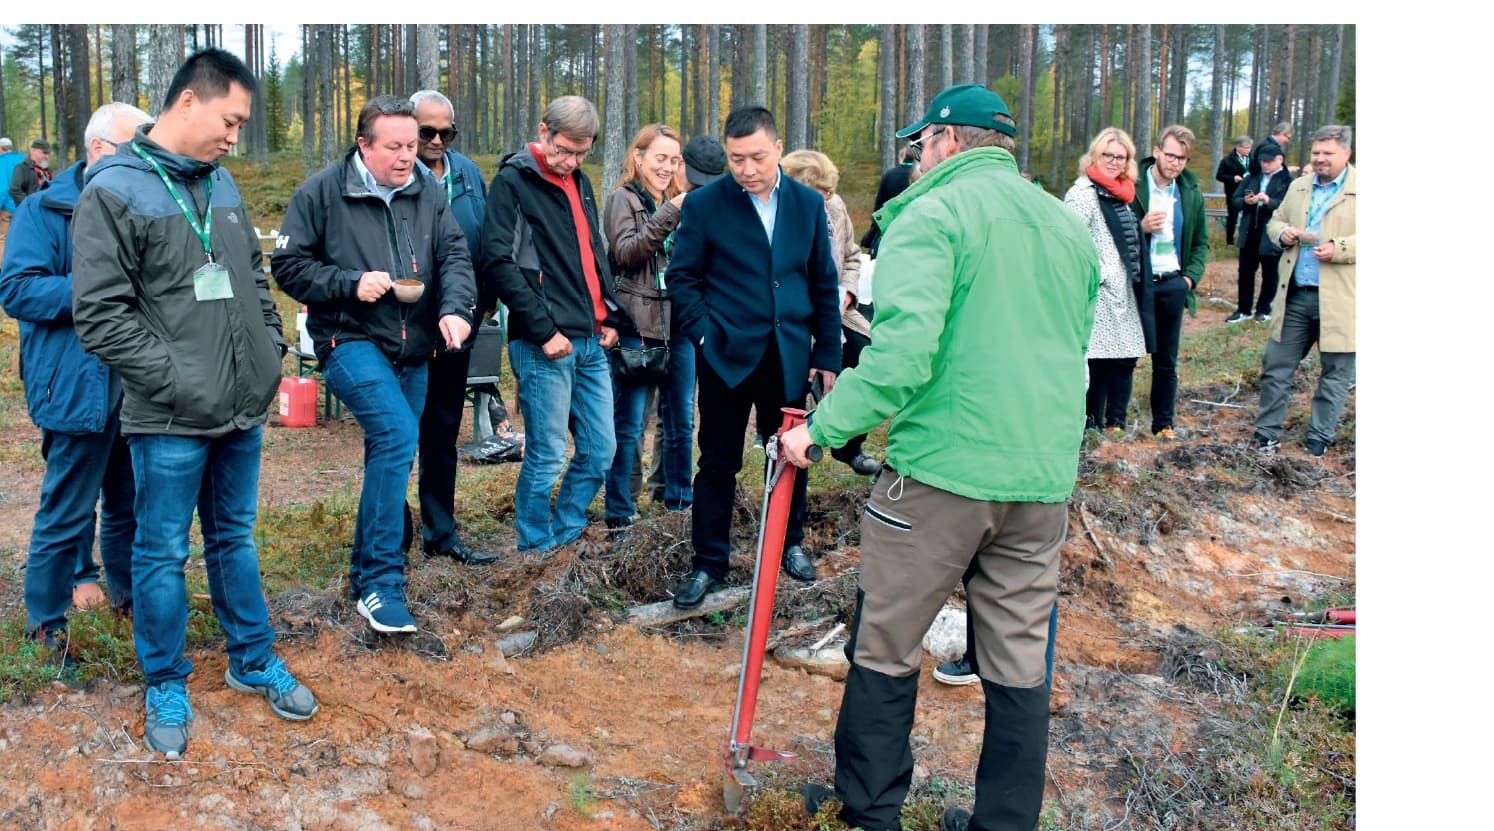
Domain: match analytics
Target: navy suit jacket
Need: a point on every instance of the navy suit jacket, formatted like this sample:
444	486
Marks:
735	291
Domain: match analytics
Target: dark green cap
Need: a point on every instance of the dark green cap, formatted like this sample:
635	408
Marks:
969	104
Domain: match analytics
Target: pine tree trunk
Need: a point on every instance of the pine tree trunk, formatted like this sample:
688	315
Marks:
982	50
965	53
1288	61
703	58
1060	54
759	64
1026	71
1333	76
713	79
1143	132
1164	86
887	68
687	81
81	93
1216	102
1107	112
615	139
1180	73
1127	98
798	89
327	106
1086	99
122	71
163	54
630	78
4	122
915	69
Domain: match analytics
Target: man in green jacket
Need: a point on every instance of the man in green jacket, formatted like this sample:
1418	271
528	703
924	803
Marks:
1172	216
977	356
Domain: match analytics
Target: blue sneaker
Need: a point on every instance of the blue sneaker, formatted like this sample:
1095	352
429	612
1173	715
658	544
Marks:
289	698
167	714
385	611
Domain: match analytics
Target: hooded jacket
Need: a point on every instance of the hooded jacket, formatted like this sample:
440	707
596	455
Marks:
985	299
529	245
67	389
1336	284
336	229
188	367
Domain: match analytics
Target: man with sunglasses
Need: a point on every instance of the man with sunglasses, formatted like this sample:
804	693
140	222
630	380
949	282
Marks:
459	178
1171	209
542	243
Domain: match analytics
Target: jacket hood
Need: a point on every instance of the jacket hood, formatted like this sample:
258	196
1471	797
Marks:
1186	180
978	158
182	168
62	194
353	184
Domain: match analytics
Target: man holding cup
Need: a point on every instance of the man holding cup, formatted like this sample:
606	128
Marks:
371	246
1172	217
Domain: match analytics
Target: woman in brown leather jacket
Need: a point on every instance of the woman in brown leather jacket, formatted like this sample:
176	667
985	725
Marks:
638	219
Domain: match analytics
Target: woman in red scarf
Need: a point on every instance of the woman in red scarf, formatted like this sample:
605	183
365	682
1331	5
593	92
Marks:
1124	329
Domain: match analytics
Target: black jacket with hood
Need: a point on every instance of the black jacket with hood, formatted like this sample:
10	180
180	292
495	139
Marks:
529	244
336	229
188	367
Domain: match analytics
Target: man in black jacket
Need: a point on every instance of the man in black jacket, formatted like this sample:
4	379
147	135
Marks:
1258	197
30	175
894	180
169	293
754	284
371	247
1280	136
1229	174
542	242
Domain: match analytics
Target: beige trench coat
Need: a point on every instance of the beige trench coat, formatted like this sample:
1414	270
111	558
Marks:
1336	277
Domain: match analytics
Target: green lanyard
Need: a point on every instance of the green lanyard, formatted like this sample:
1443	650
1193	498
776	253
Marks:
203	229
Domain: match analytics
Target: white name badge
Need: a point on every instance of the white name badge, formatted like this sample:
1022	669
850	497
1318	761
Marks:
211	282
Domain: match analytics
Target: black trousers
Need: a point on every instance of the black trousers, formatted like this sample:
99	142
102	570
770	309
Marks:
1250	258
850	355
1170	299
445	398
1232	214
1109	392
723	428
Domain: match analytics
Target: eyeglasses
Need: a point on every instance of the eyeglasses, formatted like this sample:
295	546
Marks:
1174	159
447	134
915	147
569	152
113	144
1111	158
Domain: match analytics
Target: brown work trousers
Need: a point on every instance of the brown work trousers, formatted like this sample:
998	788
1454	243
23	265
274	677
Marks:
918	542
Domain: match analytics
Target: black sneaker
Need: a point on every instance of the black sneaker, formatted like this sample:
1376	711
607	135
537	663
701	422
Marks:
1237	317
1317	447
385	611
1265	445
460	552
954	819
815	795
1263	317
956	673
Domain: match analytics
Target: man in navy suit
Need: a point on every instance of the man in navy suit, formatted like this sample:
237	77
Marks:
754	285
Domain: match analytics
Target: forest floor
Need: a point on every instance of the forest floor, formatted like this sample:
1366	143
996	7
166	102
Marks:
1172	548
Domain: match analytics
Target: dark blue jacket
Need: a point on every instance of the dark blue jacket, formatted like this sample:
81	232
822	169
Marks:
731	288
469	204
67	389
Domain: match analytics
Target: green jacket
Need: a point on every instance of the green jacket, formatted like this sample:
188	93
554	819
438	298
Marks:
1193	250
985	298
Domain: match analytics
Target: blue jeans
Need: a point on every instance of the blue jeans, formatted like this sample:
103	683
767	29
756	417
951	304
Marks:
220	478
574	391
676	411
83	470
387	401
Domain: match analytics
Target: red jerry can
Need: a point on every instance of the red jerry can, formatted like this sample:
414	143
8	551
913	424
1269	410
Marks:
297	402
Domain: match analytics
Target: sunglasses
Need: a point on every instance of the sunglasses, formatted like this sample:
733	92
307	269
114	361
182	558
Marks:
447	134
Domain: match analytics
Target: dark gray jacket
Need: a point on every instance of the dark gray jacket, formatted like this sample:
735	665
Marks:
188	367
336	229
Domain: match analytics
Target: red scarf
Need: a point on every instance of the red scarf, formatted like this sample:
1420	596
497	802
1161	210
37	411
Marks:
1122	189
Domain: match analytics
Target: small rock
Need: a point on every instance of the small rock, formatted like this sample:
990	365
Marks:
415	790
601	649
826	714
563	755
829	660
945	639
509	717
424	751
423	823
500	740
510	625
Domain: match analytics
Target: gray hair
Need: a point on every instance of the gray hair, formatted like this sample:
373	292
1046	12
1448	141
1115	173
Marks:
1242	140
971	137
1282	128
431	95
573	117
104	118
1341	133
6	143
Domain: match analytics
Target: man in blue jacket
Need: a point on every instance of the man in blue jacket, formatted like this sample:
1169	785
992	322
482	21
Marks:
755	287
446	382
72	396
9	158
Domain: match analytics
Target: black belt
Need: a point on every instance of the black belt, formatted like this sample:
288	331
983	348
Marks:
1166	275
